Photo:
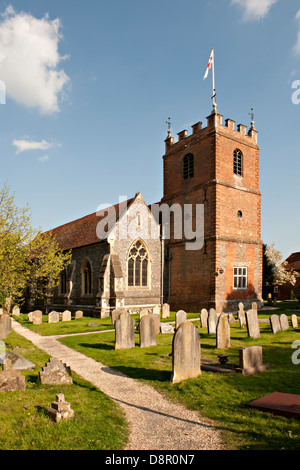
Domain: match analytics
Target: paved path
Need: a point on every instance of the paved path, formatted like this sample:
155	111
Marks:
155	423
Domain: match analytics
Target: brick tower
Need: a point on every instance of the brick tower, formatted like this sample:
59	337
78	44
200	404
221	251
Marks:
217	166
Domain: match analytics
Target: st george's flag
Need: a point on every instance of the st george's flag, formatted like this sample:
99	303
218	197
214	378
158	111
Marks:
210	63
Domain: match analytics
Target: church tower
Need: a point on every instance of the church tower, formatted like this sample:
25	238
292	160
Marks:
217	166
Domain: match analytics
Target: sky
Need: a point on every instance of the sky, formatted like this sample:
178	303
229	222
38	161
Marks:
86	89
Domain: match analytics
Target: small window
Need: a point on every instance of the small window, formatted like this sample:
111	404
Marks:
188	166
87	278
238	162
63	282
240	278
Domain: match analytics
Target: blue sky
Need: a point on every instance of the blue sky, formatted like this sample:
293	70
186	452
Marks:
90	85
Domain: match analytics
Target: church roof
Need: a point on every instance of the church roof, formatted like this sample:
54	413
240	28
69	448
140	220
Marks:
83	231
294	261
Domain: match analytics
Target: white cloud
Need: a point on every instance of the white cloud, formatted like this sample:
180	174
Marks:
29	60
25	145
297	45
254	9
43	159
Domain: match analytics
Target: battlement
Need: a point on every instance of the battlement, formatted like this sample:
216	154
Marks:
214	121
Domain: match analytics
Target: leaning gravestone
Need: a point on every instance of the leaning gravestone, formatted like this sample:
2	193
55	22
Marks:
180	317
124	331
78	315
147	332
252	324
5	326
53	317
212	322
203	318
275	323
251	360
186	353
37	317
56	372
223	332
294	321
66	316
165	311
284	322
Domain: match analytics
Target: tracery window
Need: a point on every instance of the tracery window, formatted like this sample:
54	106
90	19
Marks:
138	265
188	166
238	162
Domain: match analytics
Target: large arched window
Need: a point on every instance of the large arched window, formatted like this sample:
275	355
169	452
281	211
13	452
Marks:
238	162
86	278
138	265
188	166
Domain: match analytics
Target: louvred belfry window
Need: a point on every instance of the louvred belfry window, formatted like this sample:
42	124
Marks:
188	166
138	263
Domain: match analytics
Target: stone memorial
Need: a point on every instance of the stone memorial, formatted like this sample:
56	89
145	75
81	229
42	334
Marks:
212	322
294	321
223	332
251	360
252	324
60	409
186	353
275	323
5	326
284	322
147	331
10	380
203	318
78	315
180	317
56	372
124	331
66	316
166	311
53	317
37	317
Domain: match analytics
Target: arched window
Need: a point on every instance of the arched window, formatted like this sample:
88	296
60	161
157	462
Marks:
86	278
188	166
238	162
137	265
63	282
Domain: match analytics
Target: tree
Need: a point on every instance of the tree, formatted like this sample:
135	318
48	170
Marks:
27	257
275	270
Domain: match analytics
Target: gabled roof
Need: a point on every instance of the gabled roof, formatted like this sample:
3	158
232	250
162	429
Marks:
83	231
293	261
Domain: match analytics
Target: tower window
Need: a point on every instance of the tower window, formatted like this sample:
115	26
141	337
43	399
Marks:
240	278
238	162
188	166
137	265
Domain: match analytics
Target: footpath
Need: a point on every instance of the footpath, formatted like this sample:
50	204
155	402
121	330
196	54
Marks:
154	422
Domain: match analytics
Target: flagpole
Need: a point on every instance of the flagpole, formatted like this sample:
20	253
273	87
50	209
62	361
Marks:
213	78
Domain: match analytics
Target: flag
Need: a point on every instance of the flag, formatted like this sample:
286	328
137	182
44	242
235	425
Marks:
211	60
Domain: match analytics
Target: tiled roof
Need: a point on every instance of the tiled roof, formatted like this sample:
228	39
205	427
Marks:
294	261
82	232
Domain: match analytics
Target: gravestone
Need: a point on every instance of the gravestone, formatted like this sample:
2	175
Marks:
231	318
56	372
242	316
212	321
156	310
60	409
115	314
16	312
252	324
223	332
165	311
147	331
254	306
37	317
284	323
5	326
124	331
78	315
143	312
53	317
251	360
186	353
10	380
156	319
180	317
30	316
203	318
166	328
294	321
19	362
66	316
275	323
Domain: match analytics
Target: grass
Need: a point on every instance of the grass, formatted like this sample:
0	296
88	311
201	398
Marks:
98	424
221	397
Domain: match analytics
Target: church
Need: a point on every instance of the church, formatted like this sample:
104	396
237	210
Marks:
198	247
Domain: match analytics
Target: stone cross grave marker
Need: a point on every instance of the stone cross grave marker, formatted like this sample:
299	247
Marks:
275	323
223	332
124	331
147	331
186	353
180	317
252	324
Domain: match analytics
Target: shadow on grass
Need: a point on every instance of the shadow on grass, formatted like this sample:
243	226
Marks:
106	347
140	373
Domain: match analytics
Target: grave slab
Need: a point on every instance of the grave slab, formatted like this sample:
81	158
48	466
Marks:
283	404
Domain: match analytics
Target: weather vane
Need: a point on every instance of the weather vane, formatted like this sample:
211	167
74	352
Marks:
169	126
252	114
